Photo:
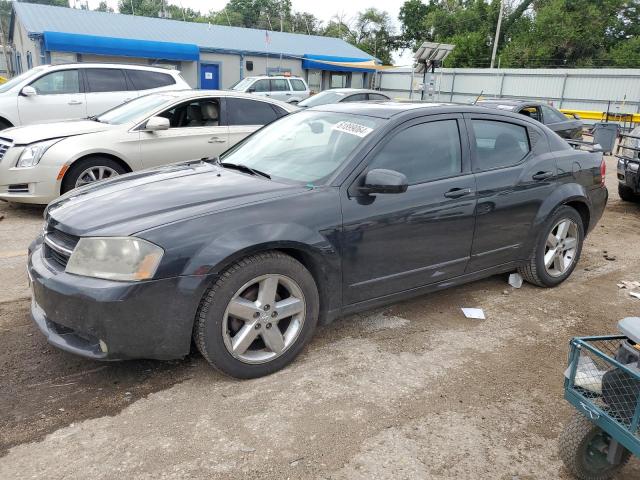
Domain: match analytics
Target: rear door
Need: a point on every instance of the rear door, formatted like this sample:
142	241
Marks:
514	173
280	89
397	242
106	88
60	96
244	116
196	132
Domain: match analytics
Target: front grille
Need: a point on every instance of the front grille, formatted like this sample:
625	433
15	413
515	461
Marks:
58	246
4	146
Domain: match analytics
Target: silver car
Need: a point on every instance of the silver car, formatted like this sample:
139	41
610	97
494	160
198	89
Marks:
285	89
339	95
40	162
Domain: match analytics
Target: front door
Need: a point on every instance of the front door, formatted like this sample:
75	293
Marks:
195	133
209	76
396	242
59	97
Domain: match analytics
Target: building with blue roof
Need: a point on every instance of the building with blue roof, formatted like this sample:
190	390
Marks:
209	56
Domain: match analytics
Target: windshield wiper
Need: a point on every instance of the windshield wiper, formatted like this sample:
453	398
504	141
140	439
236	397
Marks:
244	168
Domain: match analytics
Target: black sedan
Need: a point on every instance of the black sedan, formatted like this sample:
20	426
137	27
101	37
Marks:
566	127
323	213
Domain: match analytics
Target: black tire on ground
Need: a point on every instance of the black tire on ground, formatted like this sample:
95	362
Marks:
4	124
533	271
626	194
207	332
71	177
574	445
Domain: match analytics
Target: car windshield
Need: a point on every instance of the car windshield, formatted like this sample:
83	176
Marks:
20	78
305	147
134	109
322	98
242	84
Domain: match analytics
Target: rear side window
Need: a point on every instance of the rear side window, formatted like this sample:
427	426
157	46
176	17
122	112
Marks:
105	80
279	85
297	85
423	152
261	86
145	80
499	144
359	97
377	96
551	115
241	111
56	83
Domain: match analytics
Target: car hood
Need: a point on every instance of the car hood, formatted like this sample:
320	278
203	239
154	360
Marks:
150	198
45	131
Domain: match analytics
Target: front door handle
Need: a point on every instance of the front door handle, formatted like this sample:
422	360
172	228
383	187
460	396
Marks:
75	102
217	140
457	192
542	175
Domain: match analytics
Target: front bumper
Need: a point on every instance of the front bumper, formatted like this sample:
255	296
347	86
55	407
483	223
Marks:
107	320
37	185
629	174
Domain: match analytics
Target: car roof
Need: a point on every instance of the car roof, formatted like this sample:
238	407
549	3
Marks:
273	76
390	109
515	102
353	90
131	66
188	93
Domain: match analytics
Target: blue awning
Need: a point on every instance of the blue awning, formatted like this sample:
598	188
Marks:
121	47
337	64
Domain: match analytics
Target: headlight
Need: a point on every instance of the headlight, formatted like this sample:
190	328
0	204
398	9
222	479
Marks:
114	258
33	153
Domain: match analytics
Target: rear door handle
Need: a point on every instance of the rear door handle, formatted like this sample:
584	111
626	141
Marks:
457	192
217	140
542	175
75	102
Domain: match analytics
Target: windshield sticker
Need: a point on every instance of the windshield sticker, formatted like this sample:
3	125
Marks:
352	128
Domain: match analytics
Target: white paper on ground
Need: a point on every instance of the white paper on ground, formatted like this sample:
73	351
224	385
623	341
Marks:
476	313
635	294
515	280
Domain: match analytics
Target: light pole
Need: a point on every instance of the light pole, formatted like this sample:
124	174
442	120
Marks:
429	56
497	37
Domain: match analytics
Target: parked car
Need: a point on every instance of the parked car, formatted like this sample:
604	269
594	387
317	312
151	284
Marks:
338	95
628	168
325	212
566	127
285	89
40	162
63	92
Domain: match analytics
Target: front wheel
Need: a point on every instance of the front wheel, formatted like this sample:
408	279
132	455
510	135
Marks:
557	250
258	315
626	194
91	170
584	447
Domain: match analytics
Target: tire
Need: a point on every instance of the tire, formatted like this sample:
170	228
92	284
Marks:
578	448
534	270
626	193
244	280
78	168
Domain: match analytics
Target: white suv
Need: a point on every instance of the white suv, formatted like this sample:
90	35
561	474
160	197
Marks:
51	93
285	89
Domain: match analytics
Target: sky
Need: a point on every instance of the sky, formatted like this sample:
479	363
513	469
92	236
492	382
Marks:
322	9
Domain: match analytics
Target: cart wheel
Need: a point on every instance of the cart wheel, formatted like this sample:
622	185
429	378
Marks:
584	447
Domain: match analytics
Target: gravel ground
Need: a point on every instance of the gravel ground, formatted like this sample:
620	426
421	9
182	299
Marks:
411	391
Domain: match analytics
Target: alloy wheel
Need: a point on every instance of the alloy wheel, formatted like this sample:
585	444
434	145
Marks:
264	318
93	174
561	247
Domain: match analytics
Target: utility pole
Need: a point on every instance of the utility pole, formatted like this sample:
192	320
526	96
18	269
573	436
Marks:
497	37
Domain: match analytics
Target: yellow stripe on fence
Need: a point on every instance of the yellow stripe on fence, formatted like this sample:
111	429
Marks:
593	115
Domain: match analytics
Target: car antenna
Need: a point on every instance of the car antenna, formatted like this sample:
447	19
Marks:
478	97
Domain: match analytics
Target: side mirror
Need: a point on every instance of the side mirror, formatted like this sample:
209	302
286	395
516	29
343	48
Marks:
157	123
251	90
29	91
380	180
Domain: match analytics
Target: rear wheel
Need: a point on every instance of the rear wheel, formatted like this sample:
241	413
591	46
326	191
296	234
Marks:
584	448
557	250
91	170
258	315
626	193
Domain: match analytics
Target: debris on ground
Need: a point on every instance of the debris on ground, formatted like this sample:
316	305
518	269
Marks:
515	280
635	294
629	285
476	313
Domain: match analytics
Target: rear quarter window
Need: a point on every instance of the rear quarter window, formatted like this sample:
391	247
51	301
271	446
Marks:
145	80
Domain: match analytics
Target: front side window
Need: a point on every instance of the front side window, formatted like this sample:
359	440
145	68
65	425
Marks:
423	152
203	112
145	80
378	97
532	112
359	97
279	85
20	78
298	85
499	144
242	111
105	80
56	83
261	86
551	115
305	147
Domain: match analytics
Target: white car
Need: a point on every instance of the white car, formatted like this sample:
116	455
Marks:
285	89
51	93
40	162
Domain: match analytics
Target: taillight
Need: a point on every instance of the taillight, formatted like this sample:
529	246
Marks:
603	172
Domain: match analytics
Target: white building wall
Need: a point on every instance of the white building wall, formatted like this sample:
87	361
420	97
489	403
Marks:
23	44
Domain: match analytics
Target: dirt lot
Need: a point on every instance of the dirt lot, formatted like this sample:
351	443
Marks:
414	390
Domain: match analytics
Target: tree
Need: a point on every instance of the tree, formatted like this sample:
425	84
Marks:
373	33
103	7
